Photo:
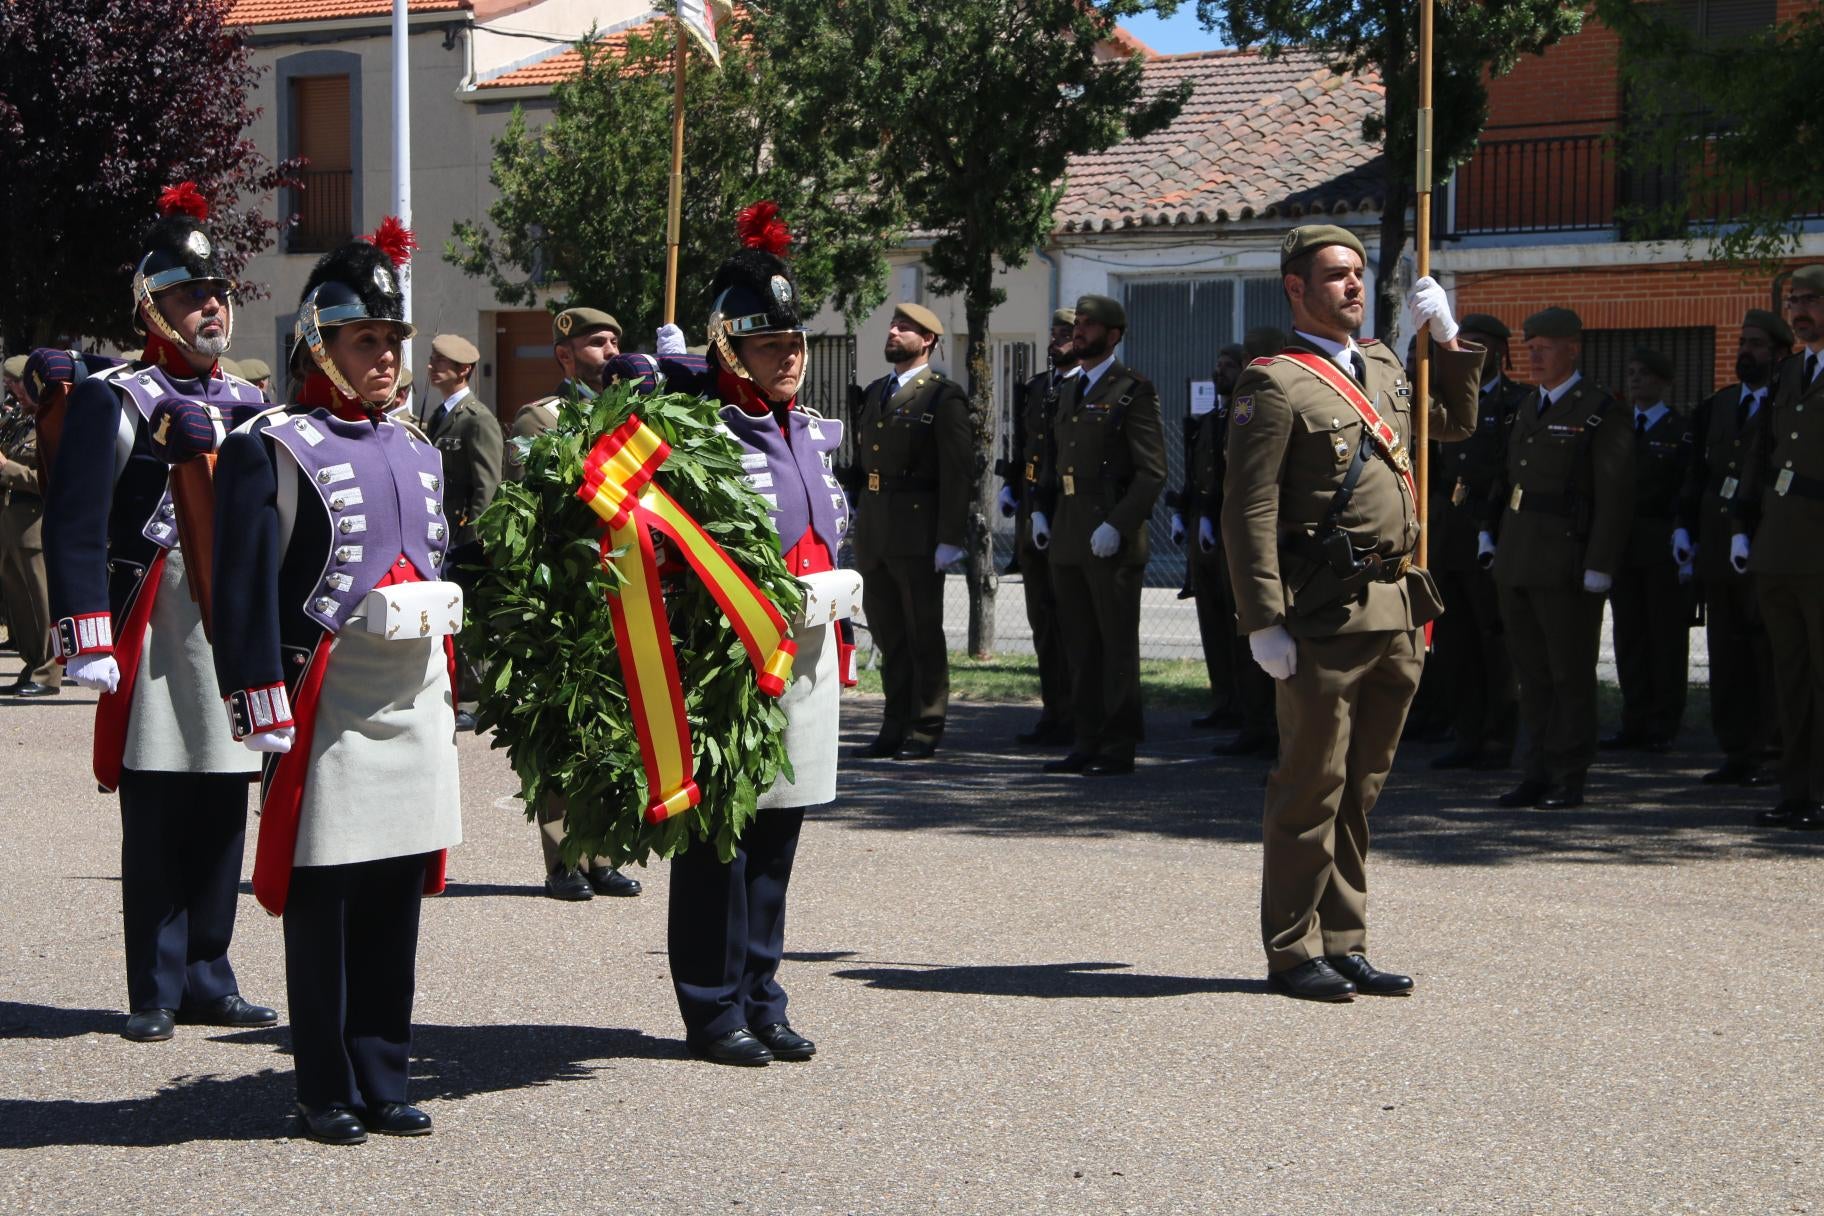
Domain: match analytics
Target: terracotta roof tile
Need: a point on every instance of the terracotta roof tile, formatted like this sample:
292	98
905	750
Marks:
562	63
274	12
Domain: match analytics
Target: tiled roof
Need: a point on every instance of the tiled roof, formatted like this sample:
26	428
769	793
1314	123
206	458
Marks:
563	63
1259	138
275	12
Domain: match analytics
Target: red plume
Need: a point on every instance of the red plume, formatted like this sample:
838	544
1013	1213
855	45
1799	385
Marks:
183	197
395	240
760	227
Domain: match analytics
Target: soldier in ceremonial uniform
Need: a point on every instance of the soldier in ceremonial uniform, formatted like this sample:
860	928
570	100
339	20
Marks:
334	640
1652	600
1559	517
1320	519
1105	470
1470	653
1019	498
1199	507
914	448
1725	430
1776	539
126	543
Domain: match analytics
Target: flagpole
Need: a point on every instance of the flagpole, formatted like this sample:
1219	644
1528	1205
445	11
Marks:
402	152
1421	440
674	212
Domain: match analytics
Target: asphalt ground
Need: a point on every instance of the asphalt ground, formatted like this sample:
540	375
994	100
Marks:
1030	994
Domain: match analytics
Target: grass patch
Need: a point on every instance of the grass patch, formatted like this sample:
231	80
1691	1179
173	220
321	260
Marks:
1165	683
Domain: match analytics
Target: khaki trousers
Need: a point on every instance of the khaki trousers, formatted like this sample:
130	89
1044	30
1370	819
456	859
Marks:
1652	628
1792	608
1099	608
551	838
903	598
1741	667
1215	624
1553	638
27	594
1340	716
1047	636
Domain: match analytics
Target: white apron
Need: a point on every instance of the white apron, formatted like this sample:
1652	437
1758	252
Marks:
813	709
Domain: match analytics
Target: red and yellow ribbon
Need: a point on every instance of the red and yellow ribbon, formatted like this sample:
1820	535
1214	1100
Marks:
618	486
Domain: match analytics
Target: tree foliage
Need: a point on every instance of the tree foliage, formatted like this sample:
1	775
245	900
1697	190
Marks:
103	103
1472	40
968	112
1727	121
582	199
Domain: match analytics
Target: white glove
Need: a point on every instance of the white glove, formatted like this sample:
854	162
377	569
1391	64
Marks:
1177	528
1041	531
1682	549
671	340
1104	541
1206	535
947	555
1738	552
1275	651
1685	573
1596	582
1485	550
97	671
1430	306
277	742
1007	503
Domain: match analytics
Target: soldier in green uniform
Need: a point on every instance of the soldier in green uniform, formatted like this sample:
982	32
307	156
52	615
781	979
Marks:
1559	517
1651	603
1104	469
1320	519
914	447
1200	509
1725	428
1777	540
1019	498
22	574
1469	652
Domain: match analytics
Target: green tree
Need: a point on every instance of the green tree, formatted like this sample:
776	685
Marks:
1472	41
1725	116
582	199
968	111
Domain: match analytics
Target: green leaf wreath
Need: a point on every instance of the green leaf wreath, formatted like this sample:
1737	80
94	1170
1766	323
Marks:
539	626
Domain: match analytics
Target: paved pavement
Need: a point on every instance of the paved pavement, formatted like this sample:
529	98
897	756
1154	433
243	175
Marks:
1031	995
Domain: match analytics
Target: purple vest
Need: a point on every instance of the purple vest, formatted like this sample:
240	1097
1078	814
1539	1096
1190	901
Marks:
794	477
150	385
383	491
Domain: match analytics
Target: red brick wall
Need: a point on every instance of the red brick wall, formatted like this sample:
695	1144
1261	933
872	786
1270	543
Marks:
1575	82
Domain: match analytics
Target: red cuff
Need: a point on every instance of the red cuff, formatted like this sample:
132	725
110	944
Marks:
90	633
258	710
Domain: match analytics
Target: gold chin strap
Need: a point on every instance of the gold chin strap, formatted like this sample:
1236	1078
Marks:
311	335
144	296
718	335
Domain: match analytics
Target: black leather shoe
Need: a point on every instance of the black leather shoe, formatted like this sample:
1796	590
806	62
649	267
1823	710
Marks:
568	885
1527	793
1109	766
1046	734
880	749
231	1010
332	1125
1312	980
1246	744
465	720
1369	980
1076	762
785	1043
1735	771
614	883
1456	757
738	1047
917	749
149	1026
397	1119
1560	797
1808	818
30	688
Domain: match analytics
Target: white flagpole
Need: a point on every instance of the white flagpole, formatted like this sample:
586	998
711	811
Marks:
402	150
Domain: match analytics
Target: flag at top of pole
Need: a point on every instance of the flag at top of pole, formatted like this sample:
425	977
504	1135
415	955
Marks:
701	18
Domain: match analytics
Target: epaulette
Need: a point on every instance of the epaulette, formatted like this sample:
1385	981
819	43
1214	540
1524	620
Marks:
532	405
1367	341
808	412
413	429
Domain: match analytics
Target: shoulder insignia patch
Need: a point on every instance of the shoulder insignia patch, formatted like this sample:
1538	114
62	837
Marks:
1243	412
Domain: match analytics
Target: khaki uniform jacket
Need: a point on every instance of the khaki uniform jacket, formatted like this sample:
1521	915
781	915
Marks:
1713	478
1032	432
1291	441
918	447
535	418
1593	507
1204	478
473	449
1462	475
1106	465
1662	459
1790	452
19	473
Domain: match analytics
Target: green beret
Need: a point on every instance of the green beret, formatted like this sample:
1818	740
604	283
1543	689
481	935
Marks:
1263	340
1653	362
1103	310
1482	323
1553	323
575	322
1772	322
920	316
455	348
1064	316
230	366
1811	278
1304	239
15	367
255	370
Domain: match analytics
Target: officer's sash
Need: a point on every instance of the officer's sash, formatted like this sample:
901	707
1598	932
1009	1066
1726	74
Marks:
1385	441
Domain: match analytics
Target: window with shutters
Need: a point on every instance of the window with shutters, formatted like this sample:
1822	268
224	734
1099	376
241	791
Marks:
1691	348
323	135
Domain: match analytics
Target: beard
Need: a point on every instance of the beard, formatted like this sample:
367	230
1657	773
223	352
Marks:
1749	370
1089	349
214	345
900	351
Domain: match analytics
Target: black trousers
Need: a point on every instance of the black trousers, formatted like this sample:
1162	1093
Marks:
1215	625
1047	636
182	837
725	931
1652	630
351	954
1470	655
1741	667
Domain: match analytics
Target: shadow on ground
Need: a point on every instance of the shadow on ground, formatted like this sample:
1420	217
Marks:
1641	809
1051	980
449	1063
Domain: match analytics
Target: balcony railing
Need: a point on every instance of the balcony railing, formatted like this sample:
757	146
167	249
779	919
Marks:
325	204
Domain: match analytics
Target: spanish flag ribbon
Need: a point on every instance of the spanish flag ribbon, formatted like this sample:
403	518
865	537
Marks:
618	486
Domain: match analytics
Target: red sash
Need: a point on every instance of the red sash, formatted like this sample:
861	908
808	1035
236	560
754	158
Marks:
1385	441
114	708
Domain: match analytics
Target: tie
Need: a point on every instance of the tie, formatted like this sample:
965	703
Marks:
1640	423
1742	409
1545	401
1360	368
1811	368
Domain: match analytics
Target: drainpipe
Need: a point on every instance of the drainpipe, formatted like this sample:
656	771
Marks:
1039	252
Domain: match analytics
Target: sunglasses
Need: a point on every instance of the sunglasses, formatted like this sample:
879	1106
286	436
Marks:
204	289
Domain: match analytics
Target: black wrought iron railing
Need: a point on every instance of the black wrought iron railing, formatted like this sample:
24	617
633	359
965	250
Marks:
324	202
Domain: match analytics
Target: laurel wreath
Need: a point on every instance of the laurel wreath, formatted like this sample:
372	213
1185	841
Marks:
540	628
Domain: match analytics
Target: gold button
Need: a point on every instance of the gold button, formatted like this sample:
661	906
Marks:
1523	462
877	447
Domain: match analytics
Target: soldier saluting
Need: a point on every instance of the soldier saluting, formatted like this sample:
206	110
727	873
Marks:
1320	518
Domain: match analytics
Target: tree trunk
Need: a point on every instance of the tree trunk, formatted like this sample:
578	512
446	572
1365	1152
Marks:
982	578
1397	144
1393	242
